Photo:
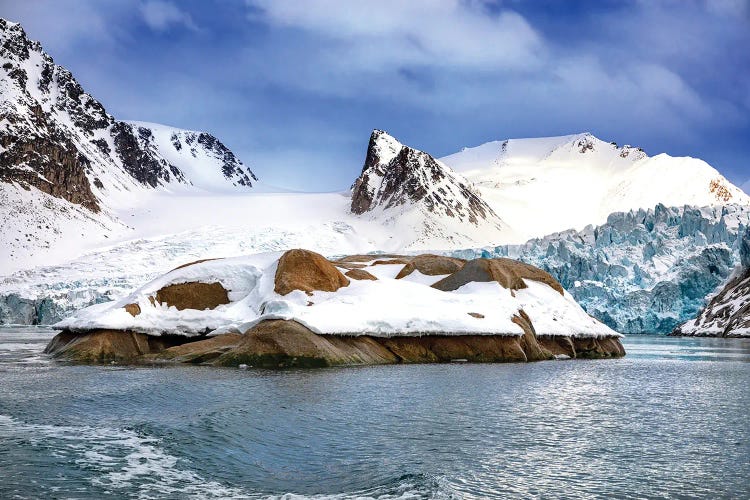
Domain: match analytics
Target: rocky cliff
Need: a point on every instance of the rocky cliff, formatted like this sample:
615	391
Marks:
727	313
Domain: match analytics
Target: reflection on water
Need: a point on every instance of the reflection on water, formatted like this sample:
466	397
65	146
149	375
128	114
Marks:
687	348
668	420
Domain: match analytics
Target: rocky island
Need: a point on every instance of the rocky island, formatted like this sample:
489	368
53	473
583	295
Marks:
298	308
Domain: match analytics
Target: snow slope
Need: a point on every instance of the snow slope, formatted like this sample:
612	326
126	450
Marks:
386	307
541	186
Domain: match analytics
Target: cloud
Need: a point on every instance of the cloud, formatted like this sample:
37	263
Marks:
161	16
63	25
445	33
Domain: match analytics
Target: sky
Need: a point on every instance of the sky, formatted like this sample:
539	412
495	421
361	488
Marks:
295	88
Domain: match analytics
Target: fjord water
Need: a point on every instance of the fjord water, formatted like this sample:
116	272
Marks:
668	420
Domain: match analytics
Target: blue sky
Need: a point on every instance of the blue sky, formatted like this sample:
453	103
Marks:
295	88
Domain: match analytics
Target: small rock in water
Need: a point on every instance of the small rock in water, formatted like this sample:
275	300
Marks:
562	356
459	360
242	367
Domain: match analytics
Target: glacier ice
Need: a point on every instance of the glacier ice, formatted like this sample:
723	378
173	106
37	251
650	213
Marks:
643	271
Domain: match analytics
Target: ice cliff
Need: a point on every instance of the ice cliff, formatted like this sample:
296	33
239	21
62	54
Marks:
644	271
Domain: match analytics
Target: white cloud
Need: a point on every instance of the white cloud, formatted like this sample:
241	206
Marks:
450	33
161	15
63	24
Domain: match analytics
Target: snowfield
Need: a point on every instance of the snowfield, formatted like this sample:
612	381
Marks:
551	184
382	308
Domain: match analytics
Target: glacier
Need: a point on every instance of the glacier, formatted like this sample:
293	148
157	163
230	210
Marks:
643	271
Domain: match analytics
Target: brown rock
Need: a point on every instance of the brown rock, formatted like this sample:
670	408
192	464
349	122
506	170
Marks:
280	344
446	348
104	346
477	315
307	271
369	258
193	295
529	342
347	265
509	273
386	262
431	265
360	274
201	351
583	347
133	309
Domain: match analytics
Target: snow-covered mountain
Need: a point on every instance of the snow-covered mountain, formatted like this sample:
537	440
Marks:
545	185
728	312
644	271
65	162
409	190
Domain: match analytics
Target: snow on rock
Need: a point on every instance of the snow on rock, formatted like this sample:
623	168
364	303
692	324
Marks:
417	195
385	307
727	314
546	185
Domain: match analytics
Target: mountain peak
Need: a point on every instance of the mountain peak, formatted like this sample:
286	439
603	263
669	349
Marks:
402	182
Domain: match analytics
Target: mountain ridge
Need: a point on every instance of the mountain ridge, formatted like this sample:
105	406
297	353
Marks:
402	183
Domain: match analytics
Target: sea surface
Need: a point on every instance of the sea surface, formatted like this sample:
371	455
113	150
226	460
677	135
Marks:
670	420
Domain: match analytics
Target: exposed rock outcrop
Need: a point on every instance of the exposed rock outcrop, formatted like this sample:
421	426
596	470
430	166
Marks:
105	346
359	274
509	273
431	265
288	344
307	271
193	295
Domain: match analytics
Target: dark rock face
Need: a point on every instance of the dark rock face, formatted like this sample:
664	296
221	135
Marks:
232	167
59	139
395	175
137	161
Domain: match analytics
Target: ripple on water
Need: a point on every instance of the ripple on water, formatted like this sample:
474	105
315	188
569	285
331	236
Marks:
660	422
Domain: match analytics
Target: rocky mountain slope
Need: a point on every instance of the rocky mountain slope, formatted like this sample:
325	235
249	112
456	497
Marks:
408	188
644	271
545	185
64	161
728	312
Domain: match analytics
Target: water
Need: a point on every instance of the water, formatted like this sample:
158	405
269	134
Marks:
669	420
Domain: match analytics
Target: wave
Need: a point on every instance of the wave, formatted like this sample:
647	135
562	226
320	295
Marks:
123	463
